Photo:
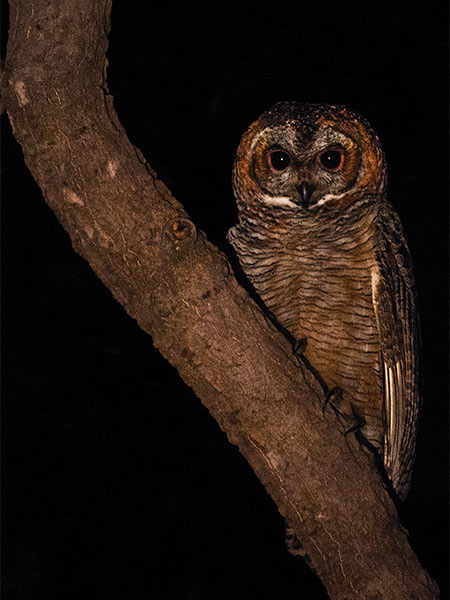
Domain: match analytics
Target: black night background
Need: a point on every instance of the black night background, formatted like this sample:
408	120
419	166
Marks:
116	480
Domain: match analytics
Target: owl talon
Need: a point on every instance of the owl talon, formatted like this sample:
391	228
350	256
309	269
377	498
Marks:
359	423
299	346
333	397
356	427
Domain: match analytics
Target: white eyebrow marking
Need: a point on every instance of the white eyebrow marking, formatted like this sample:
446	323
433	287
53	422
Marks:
328	197
255	140
278	201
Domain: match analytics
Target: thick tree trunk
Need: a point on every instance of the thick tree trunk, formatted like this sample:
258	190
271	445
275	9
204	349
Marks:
181	290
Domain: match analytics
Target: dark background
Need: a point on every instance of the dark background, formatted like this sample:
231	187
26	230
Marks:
116	480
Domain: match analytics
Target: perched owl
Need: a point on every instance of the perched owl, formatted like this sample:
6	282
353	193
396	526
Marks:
325	251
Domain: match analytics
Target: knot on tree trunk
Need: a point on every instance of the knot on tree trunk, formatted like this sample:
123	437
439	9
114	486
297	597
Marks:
181	230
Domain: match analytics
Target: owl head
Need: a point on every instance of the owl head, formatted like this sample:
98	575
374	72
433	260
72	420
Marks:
306	156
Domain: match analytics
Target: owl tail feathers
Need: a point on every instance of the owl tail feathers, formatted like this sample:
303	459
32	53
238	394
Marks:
402	491
401	479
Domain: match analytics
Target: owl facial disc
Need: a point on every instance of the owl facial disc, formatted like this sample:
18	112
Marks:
302	156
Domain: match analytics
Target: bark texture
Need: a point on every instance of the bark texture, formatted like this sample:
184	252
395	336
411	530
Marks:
181	290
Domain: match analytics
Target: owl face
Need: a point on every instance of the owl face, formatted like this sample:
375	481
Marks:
303	156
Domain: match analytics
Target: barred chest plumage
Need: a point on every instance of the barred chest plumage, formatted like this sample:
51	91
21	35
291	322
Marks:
314	274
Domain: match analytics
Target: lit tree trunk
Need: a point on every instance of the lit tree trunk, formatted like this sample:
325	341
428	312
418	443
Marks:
181	290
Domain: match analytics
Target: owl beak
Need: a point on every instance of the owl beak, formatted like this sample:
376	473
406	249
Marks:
305	190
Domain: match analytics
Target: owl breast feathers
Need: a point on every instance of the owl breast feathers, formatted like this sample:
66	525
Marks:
326	252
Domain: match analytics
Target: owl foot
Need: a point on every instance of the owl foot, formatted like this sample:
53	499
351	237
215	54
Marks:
333	397
358	423
344	411
357	427
299	346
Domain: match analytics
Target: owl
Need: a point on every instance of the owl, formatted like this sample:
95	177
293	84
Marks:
325	251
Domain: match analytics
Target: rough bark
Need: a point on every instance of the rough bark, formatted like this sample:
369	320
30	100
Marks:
181	290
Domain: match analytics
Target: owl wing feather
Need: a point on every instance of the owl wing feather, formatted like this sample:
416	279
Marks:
394	300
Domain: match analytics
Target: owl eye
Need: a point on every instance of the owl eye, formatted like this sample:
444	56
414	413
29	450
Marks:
332	159
279	160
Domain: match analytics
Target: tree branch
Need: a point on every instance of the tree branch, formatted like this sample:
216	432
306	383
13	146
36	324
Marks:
181	290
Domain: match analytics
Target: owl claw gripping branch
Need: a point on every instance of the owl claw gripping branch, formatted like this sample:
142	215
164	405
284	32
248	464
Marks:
326	252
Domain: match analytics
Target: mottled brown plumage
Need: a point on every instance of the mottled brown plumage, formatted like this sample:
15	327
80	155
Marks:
325	251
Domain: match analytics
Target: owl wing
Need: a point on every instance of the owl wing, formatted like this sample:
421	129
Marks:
394	300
